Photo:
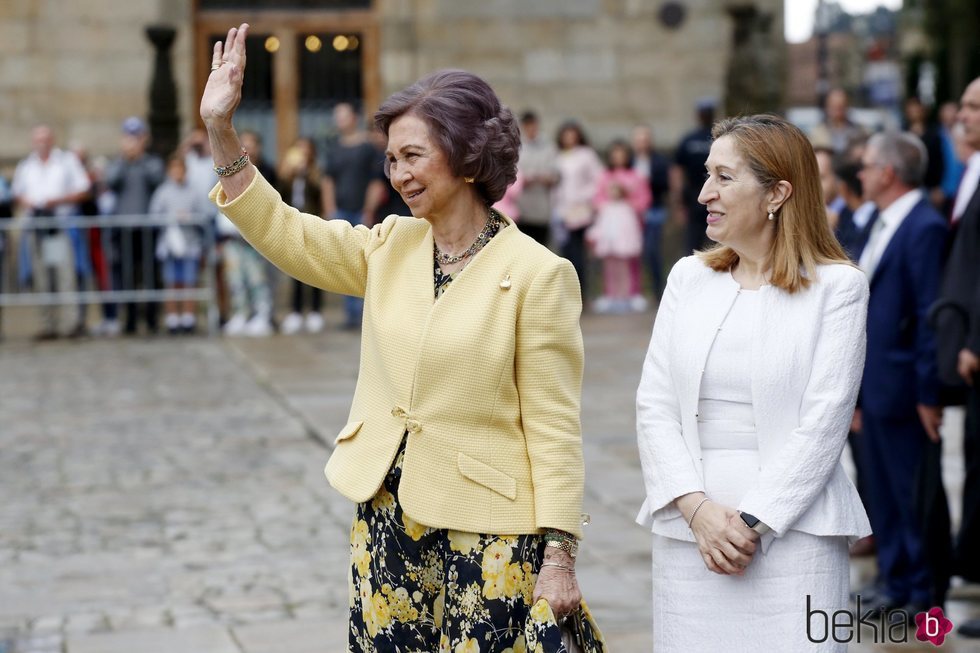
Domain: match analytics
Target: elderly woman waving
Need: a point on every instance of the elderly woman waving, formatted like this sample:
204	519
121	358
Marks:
463	446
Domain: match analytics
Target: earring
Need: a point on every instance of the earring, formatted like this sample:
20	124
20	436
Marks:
468	180
771	215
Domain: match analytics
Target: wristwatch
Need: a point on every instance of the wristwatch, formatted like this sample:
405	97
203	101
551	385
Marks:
753	522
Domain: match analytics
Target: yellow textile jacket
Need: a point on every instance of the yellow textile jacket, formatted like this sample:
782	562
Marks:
485	381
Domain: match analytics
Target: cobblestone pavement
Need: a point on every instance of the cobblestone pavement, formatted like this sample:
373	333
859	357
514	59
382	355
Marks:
166	495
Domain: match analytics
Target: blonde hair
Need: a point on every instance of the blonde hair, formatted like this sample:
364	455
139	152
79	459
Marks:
775	151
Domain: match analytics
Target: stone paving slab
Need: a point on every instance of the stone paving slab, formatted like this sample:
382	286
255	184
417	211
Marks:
213	639
168	495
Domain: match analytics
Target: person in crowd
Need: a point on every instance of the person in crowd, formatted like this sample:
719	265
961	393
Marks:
347	174
857	216
50	183
952	163
687	174
300	180
538	170
900	413
961	286
837	130
6	212
509	204
622	198
133	176
579	170
469	485
744	403
97	202
917	121
180	245
830	185
655	168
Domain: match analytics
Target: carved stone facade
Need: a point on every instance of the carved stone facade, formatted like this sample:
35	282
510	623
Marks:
83	66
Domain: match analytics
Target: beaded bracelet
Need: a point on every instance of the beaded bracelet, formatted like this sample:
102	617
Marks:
694	514
232	168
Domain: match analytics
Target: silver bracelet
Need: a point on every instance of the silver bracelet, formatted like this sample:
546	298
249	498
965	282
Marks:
559	565
695	513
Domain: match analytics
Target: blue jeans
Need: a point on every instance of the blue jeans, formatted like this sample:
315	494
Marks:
353	306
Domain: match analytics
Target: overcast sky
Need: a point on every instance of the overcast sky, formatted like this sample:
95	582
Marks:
799	14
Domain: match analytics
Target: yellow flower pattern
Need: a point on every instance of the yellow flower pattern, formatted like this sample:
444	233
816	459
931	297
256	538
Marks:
415	588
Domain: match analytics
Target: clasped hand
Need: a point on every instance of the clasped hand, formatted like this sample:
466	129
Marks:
725	542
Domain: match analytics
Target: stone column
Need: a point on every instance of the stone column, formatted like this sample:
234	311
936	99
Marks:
163	118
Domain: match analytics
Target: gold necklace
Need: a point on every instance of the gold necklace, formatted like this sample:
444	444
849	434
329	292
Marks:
482	238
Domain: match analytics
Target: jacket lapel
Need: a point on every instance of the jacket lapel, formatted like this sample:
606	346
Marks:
895	244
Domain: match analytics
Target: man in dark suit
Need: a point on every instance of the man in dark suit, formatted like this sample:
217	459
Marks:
899	404
961	287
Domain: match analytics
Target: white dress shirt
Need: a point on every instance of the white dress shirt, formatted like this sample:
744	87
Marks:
968	185
36	182
889	221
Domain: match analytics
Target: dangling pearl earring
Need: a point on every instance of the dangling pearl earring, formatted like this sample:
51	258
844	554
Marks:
771	216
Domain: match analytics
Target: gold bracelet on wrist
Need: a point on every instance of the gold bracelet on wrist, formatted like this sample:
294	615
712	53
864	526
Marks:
568	545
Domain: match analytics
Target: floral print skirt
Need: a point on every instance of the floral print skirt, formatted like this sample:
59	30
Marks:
420	589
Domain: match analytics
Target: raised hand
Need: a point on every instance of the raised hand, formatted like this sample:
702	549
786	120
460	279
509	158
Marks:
223	92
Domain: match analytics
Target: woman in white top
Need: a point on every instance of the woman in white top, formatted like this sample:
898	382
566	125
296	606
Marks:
579	170
744	405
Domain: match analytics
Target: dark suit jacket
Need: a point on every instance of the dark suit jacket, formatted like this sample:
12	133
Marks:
961	282
852	237
900	368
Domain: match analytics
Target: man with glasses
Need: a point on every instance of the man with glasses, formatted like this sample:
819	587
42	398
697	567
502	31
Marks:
899	404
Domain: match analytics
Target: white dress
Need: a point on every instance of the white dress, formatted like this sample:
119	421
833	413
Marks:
696	610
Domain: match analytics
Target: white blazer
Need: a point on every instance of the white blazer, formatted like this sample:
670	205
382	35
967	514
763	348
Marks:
807	360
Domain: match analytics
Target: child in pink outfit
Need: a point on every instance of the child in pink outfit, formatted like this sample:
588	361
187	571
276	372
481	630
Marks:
616	236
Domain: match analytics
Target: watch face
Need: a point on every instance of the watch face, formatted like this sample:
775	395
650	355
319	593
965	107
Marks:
750	520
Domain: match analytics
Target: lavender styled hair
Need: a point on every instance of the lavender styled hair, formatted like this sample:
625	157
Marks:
477	133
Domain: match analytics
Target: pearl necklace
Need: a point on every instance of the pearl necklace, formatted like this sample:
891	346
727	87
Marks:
493	221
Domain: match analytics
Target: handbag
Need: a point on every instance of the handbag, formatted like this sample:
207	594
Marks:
577	633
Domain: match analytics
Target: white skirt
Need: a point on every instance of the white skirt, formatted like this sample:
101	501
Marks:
765	610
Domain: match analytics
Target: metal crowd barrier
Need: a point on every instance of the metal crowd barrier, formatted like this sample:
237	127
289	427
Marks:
118	236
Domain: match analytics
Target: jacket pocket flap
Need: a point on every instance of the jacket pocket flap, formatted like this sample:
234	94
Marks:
350	430
487	476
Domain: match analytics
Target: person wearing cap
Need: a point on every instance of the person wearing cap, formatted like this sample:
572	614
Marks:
687	174
132	176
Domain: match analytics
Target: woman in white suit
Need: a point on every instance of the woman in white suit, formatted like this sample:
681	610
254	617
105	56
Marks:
744	405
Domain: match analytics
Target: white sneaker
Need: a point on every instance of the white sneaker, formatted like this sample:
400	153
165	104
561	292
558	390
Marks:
236	325
314	323
258	326
291	324
602	304
108	328
638	303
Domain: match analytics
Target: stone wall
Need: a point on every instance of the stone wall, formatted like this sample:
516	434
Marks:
82	66
608	63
